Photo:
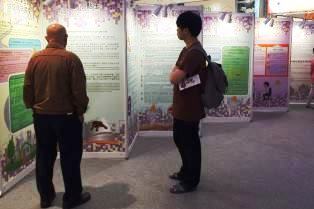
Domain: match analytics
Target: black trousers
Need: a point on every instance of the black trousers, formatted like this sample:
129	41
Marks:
66	132
187	140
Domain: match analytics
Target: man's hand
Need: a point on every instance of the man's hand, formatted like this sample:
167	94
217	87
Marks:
170	110
176	75
174	68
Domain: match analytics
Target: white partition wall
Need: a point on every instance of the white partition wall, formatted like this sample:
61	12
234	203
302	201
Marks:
228	39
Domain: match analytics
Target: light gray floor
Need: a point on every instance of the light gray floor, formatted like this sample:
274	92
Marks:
265	164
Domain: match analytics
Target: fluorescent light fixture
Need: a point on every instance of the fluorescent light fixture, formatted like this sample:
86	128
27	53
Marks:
157	10
267	20
229	18
131	3
271	22
165	11
49	2
73	4
170	6
302	22
222	16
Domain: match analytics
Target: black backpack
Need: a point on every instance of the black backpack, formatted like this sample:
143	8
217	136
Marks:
216	82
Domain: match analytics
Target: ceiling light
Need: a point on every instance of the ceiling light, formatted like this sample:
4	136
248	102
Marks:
157	10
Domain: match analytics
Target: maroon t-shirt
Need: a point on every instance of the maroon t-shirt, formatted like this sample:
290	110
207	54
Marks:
187	104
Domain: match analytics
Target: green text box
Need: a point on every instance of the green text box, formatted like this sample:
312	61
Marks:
235	62
20	117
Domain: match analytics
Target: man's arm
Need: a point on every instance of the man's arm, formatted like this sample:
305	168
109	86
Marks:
78	86
190	66
28	89
176	75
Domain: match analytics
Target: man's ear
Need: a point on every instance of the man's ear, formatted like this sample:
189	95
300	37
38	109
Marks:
187	31
46	37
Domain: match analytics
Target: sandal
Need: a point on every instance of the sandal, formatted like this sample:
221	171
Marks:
175	176
180	189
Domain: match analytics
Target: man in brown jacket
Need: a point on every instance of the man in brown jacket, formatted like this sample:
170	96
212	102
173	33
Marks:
55	89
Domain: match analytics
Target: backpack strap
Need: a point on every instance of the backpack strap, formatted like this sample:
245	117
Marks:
201	49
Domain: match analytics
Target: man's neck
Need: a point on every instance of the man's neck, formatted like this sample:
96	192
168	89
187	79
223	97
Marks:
55	44
190	41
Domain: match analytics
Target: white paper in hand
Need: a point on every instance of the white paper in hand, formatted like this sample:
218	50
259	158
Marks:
189	82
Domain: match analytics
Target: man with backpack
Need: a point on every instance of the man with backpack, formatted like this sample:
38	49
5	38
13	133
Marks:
187	78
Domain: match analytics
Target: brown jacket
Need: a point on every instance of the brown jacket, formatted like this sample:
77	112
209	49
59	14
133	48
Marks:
55	82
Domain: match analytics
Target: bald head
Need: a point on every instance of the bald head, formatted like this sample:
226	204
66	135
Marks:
57	33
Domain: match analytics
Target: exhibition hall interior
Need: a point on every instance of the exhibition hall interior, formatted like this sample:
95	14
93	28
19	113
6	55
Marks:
257	146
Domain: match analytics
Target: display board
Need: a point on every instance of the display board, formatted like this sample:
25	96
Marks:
17	137
19	36
156	59
302	45
228	39
96	33
271	64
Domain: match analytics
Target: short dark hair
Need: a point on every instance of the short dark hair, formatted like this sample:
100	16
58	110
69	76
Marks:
266	83
191	21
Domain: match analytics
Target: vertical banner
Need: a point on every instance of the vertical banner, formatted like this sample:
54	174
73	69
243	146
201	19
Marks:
271	64
19	36
302	45
158	50
96	30
228	38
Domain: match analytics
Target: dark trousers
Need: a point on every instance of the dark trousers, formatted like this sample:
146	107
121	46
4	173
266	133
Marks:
187	140
66	132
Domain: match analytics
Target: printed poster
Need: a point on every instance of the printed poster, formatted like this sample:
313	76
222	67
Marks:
271	65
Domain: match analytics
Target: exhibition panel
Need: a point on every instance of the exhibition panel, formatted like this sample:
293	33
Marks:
271	64
228	38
